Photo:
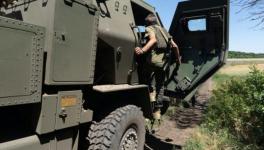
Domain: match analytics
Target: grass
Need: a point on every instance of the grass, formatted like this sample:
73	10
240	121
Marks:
204	139
232	71
170	112
220	138
220	78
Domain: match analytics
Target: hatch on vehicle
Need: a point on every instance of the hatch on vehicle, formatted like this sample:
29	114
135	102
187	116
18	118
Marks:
21	56
200	28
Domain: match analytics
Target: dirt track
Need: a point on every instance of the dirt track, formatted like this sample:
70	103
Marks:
173	132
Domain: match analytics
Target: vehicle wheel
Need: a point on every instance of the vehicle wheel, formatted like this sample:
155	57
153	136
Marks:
123	129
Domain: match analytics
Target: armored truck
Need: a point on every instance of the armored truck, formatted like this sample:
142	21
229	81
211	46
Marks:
69	78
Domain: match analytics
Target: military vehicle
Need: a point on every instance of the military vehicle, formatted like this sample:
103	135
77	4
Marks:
68	75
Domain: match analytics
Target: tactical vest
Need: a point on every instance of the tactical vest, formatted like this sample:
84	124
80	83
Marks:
157	56
161	36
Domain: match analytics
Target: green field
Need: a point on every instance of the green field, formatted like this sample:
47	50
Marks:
236	68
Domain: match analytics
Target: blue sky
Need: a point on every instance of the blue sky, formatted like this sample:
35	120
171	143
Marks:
243	35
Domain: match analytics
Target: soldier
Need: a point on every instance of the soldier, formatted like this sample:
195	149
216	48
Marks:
158	41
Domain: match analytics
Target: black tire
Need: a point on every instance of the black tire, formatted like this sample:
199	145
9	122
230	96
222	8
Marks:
112	132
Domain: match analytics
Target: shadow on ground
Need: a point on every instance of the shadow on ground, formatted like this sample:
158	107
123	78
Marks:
190	117
154	143
175	130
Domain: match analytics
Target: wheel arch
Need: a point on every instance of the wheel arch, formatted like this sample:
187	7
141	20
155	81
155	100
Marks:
104	102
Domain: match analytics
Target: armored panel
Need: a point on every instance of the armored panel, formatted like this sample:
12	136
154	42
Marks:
71	36
28	143
72	57
61	111
68	109
21	59
115	31
47	118
201	32
67	140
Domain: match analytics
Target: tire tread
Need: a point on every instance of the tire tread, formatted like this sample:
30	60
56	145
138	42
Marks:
100	134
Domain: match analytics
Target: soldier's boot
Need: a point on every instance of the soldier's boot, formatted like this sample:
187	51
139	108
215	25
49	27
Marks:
155	123
156	111
157	114
152	96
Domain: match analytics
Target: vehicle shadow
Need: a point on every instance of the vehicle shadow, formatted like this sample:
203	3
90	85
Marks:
154	143
193	116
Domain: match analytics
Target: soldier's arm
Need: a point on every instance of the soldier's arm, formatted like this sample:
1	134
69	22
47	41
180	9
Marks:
177	51
151	42
147	47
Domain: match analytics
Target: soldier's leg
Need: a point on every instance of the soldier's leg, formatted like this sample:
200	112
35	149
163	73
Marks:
159	87
159	78
151	83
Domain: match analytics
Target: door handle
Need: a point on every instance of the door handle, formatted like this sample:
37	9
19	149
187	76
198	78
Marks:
63	114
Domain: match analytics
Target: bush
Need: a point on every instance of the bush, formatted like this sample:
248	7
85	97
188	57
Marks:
238	106
204	139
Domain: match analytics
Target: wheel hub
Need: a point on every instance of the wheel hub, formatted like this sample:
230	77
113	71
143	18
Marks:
129	140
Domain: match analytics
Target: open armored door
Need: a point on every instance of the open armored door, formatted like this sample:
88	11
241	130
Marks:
200	28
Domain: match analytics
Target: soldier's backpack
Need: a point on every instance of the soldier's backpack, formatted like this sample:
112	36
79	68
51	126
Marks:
162	37
157	57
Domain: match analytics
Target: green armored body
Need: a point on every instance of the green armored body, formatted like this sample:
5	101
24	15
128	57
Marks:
69	77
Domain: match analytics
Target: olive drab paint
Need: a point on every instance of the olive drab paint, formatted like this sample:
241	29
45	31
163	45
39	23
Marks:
65	64
203	51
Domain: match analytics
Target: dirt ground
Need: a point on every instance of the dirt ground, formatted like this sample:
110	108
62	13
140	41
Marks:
174	132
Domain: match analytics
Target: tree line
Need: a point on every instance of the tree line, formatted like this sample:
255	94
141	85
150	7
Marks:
234	54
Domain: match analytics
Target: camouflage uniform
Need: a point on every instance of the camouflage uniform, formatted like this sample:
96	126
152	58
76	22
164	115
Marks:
156	60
